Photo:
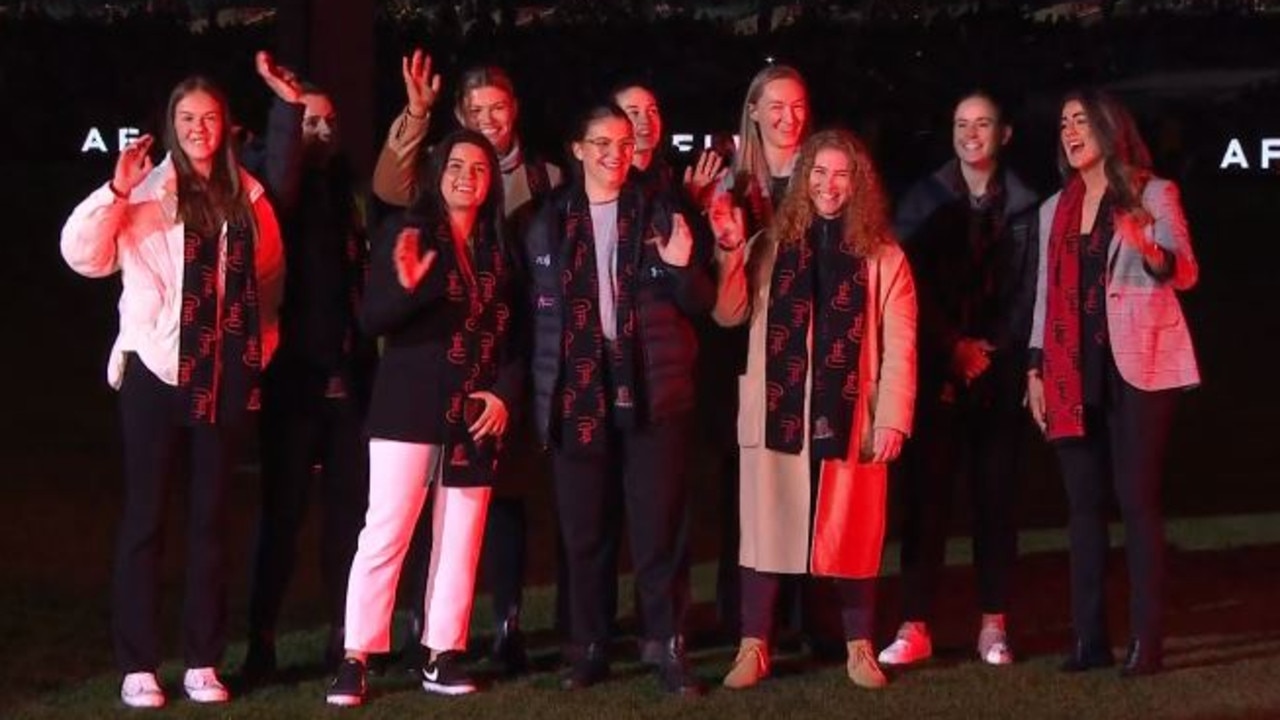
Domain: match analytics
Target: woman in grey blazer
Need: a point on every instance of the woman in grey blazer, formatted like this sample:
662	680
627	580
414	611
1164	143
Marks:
1110	351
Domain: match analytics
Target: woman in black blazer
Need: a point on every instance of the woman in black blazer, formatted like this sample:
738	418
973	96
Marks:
441	293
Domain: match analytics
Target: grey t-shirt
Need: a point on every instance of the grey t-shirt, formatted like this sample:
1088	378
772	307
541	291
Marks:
604	226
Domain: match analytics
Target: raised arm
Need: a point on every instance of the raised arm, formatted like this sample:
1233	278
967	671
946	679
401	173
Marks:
393	176
90	234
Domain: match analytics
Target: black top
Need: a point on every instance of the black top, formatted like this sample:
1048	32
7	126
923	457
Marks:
410	395
1095	344
974	263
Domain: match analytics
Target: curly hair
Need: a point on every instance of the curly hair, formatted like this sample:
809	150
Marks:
866	220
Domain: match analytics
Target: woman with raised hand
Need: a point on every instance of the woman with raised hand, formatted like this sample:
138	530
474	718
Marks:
441	292
485	102
616	277
1110	353
198	249
826	401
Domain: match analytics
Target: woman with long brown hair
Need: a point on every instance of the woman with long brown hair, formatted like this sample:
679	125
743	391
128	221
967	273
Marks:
442	290
826	401
1110	351
198	249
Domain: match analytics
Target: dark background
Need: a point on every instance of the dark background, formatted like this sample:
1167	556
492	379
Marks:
893	81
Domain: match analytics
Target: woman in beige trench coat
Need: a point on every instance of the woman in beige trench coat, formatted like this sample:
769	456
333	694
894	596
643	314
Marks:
824	285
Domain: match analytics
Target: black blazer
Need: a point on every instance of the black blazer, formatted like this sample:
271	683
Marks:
410	393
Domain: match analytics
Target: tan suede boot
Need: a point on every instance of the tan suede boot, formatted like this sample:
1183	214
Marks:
862	667
750	666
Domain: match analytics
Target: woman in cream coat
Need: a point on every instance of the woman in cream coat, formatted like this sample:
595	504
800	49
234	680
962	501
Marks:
813	493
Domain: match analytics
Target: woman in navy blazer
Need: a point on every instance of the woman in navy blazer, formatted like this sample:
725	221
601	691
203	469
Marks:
1110	351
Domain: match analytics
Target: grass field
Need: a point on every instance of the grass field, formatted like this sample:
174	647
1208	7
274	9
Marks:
1223	653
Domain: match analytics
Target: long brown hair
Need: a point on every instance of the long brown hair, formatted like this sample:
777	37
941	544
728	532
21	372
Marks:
866	219
1126	159
204	204
749	164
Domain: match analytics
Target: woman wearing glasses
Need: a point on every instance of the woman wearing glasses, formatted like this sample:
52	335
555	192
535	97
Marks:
615	278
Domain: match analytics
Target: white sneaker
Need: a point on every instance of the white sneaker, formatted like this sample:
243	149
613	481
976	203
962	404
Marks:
911	646
141	690
203	686
993	646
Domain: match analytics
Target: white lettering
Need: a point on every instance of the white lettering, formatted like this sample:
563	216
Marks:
682	142
126	136
93	141
1270	151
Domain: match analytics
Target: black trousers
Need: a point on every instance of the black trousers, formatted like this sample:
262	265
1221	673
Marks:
971	433
643	473
157	441
1123	448
761	591
302	429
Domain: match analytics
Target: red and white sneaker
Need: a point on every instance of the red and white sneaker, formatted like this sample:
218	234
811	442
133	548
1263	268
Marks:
203	686
912	645
141	690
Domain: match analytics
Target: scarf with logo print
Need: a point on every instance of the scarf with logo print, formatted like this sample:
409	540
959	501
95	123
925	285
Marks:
219	345
585	356
822	271
475	278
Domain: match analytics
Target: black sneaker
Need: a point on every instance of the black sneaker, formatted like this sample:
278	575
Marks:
349	687
445	676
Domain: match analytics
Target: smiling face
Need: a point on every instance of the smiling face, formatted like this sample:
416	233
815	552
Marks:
642	107
977	133
491	111
781	113
198	123
319	121
465	182
830	182
606	151
1079	142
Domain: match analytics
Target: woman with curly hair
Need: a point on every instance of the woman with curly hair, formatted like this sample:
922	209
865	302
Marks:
826	401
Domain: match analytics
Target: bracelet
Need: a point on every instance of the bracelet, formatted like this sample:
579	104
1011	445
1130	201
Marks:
111	185
425	113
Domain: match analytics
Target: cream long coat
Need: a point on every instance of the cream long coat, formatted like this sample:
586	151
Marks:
845	536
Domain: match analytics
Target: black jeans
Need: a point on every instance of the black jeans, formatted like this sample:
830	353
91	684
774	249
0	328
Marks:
302	429
643	472
760	593
156	437
975	433
1124	448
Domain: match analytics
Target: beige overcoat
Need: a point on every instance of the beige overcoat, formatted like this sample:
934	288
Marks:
788	525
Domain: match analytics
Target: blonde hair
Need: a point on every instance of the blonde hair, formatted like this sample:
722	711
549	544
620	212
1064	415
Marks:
749	164
866	220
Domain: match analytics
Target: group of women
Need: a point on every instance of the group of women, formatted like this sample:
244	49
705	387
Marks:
520	311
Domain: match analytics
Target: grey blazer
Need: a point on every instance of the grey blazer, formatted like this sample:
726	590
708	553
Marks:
1149	337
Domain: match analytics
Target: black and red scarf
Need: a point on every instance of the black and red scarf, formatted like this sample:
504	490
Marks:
475	282
1063	383
219	343
823	270
592	367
